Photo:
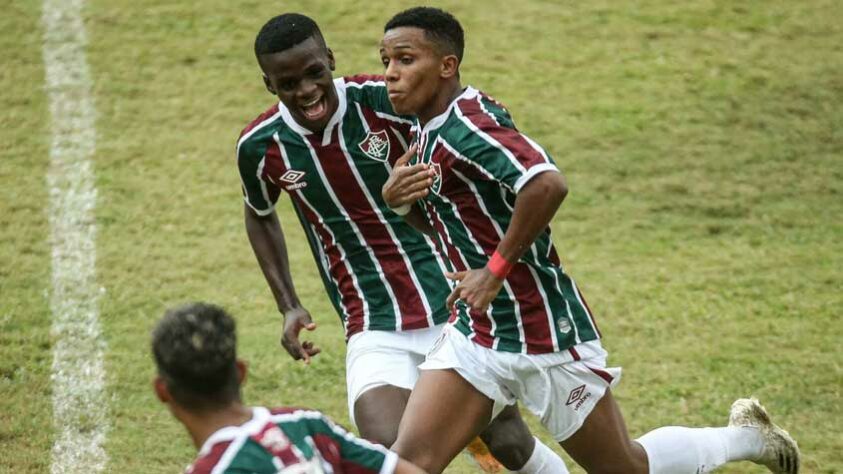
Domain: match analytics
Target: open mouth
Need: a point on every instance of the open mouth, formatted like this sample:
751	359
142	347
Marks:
315	109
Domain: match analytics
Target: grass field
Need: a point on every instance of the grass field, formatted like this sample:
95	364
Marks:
702	142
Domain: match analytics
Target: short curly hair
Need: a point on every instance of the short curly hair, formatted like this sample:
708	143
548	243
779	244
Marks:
285	31
439	26
195	350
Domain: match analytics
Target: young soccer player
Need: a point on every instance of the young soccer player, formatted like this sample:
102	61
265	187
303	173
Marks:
199	378
330	144
523	330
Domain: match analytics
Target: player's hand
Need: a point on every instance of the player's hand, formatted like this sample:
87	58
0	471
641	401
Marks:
407	183
477	288
295	320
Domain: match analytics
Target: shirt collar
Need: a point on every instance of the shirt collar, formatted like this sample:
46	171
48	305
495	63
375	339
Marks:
260	416
436	122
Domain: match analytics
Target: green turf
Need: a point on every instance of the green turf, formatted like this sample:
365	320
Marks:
701	140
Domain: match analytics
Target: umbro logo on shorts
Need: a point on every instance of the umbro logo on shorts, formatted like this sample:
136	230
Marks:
292	180
578	396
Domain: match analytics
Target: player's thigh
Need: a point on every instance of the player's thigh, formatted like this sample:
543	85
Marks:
602	444
443	414
378	411
379	360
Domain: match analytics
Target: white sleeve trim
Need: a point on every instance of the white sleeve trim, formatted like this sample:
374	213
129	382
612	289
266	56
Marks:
532	173
259	212
390	463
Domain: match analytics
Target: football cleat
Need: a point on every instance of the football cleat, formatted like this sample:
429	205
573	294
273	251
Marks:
781	454
479	454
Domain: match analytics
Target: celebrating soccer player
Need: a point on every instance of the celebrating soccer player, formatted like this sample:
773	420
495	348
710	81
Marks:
330	144
523	330
199	378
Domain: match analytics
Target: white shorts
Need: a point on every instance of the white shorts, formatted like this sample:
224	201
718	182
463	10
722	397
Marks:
561	388
377	358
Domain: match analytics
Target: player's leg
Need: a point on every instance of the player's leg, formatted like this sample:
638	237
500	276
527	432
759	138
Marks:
602	444
380	373
590	427
443	414
378	411
510	441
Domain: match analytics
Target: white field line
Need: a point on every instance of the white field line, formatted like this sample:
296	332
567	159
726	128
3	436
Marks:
80	408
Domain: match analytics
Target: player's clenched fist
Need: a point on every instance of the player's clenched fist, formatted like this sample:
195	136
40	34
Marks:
407	183
294	321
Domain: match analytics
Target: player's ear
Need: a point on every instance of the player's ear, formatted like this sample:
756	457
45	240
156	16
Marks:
161	390
268	85
332	64
242	370
450	66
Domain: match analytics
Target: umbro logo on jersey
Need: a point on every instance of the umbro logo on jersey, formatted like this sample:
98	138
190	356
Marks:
578	396
376	145
292	180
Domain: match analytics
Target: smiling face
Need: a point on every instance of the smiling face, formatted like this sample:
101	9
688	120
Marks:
301	78
417	72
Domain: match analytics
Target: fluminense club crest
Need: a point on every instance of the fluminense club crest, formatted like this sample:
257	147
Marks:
376	145
437	178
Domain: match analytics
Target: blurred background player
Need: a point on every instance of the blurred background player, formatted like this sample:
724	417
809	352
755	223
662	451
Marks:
330	143
199	379
523	330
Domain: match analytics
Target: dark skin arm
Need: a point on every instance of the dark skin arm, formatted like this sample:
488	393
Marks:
535	206
267	240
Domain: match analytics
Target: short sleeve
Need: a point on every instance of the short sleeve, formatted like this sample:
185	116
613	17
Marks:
258	192
486	138
356	454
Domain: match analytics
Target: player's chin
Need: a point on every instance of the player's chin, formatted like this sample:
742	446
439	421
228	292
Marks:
399	105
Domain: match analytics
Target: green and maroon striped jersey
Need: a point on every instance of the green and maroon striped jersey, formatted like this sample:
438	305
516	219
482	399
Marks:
380	273
290	441
481	162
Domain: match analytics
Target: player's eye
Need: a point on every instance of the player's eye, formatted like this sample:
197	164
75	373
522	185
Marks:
385	61
287	85
406	60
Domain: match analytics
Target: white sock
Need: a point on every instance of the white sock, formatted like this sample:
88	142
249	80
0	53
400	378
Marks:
679	450
543	461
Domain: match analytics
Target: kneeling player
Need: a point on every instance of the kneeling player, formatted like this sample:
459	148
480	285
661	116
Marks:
199	378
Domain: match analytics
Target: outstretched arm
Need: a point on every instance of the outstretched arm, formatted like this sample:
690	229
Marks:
535	205
267	240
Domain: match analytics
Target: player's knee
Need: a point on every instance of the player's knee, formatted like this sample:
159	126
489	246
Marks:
512	451
509	440
378	431
419	455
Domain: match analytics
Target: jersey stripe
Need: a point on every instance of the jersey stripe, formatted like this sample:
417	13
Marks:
381	274
319	163
338	260
482	162
523	283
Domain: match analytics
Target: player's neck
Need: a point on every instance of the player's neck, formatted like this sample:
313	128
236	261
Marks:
447	93
202	425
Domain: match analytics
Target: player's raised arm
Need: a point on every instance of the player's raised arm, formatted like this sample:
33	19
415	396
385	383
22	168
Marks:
268	243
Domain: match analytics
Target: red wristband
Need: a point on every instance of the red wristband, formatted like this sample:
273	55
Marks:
498	266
